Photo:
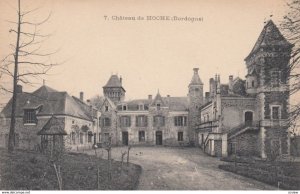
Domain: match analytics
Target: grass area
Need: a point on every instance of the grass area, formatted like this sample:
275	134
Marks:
24	170
284	174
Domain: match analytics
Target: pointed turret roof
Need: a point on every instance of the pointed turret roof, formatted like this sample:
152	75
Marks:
114	81
158	98
196	79
269	36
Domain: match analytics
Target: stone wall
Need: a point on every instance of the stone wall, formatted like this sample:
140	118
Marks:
246	144
233	112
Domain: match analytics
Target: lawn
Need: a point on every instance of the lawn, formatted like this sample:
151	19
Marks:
25	170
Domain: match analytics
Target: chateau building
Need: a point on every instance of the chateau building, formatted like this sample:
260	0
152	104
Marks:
151	121
47	116
250	117
244	116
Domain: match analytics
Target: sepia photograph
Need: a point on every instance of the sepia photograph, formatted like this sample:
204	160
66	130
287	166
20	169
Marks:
149	95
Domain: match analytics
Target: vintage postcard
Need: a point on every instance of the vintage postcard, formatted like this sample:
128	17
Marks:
149	95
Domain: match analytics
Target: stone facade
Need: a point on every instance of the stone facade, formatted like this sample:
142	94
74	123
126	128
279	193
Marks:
78	120
253	113
158	121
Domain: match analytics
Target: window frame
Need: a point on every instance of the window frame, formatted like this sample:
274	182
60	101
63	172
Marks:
106	122
30	119
180	136
142	136
125	121
180	121
271	112
141	123
275	81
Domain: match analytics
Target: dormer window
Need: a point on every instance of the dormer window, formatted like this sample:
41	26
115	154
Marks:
158	106
124	107
275	78
106	108
141	107
30	116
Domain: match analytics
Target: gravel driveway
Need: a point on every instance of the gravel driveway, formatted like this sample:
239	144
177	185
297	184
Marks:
166	168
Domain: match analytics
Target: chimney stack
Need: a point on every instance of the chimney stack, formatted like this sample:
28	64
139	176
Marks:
168	96
149	97
121	80
81	96
19	89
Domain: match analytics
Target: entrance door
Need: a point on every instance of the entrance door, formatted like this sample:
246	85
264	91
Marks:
158	138
125	138
248	118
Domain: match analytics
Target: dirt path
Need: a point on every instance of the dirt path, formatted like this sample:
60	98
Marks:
184	169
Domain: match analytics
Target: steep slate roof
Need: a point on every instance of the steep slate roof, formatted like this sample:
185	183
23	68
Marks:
158	98
270	36
54	126
49	102
174	103
113	81
196	80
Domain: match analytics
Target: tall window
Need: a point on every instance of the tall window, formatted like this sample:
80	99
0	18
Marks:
158	106
29	116
180	121
180	136
125	121
275	78
90	135
81	138
73	137
141	121
275	112
124	107
141	136
159	121
106	122
106	108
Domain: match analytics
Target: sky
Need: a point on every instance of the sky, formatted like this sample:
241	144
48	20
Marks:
149	55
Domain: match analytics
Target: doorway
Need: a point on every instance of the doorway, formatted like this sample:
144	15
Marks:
248	118
158	138
125	138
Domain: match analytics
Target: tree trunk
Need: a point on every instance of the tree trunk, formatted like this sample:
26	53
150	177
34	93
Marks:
15	82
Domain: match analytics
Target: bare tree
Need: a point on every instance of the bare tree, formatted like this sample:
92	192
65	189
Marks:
291	30
128	150
26	62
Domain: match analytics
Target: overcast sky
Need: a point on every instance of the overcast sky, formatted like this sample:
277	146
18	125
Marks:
149	55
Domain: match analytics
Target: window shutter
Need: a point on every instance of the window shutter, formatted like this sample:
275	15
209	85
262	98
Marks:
129	121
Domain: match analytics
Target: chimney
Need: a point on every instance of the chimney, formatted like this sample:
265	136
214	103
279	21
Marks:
230	83
19	89
149	97
81	96
168	96
121	80
196	70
